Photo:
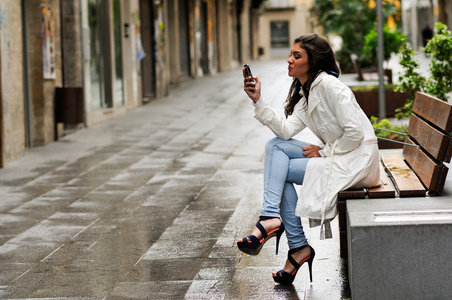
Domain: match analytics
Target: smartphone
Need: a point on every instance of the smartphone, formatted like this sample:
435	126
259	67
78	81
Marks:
248	72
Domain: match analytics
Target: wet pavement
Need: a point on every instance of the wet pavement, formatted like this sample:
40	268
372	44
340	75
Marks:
150	205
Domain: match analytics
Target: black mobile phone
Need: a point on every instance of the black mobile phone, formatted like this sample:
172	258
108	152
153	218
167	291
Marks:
248	72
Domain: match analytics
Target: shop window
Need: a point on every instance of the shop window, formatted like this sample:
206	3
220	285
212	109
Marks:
97	72
118	80
279	31
106	68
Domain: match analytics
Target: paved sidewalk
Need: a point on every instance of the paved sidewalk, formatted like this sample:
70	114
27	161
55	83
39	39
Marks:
150	205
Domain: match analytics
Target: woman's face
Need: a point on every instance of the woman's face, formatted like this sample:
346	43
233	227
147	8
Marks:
298	63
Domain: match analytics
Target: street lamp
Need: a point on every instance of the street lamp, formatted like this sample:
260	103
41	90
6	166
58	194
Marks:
380	59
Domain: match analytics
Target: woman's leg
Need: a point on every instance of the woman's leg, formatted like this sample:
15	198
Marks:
292	223
278	153
294	228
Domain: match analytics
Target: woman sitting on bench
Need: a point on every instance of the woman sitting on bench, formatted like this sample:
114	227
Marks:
317	100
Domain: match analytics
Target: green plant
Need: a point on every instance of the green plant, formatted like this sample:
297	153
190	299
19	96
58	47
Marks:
392	39
411	81
389	131
359	88
440	81
440	49
340	17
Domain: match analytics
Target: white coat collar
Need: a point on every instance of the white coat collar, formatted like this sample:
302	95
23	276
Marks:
314	101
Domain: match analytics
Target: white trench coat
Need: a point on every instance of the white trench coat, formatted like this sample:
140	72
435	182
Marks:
349	157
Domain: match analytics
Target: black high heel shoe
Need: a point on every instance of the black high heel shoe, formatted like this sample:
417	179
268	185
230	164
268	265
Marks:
283	277
252	245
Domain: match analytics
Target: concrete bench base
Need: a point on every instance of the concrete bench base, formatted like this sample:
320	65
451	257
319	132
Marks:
399	249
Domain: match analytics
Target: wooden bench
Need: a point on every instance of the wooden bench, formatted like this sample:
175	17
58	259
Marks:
419	169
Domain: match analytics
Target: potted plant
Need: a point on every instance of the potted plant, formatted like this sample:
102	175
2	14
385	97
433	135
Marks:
390	136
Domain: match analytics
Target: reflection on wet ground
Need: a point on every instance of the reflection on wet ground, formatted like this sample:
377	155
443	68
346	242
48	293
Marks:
150	205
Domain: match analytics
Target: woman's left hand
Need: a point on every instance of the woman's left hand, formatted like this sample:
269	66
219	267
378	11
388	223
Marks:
311	151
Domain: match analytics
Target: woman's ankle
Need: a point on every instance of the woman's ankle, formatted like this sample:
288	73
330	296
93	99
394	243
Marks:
269	224
264	218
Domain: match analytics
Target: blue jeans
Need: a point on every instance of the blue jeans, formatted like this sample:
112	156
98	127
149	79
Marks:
285	166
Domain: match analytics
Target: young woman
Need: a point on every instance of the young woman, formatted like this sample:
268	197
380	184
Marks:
348	157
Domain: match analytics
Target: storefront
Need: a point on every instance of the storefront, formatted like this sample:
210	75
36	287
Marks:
76	63
105	36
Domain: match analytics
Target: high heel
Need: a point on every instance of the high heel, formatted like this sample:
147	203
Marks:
252	245
283	277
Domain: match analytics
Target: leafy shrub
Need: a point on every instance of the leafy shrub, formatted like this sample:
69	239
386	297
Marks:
439	84
411	81
351	20
440	49
392	39
373	87
398	131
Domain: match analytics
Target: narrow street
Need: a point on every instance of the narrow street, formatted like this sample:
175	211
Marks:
150	205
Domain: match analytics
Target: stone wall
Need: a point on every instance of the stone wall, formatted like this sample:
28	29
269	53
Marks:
41	89
72	44
11	76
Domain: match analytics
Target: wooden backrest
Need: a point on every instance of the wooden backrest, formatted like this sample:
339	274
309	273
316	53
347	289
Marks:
429	130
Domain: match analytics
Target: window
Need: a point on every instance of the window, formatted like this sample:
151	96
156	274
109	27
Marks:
279	31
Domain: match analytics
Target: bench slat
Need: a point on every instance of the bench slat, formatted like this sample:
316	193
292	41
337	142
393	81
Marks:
434	110
426	168
352	194
432	140
386	190
405	180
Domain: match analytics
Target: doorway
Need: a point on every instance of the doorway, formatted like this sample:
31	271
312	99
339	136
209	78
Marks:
105	68
184	39
147	63
97	60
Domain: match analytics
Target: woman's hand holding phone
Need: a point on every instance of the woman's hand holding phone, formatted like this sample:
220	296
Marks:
252	85
247	73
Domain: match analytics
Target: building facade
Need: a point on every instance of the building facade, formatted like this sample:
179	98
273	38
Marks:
65	64
419	16
281	22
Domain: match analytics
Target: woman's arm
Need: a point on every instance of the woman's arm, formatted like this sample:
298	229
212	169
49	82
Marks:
281	127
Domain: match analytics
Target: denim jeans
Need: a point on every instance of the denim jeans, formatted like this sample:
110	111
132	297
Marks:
285	166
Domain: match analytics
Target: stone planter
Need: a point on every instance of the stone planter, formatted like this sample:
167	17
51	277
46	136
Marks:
368	100
394	100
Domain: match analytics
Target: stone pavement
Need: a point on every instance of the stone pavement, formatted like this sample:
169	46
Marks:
150	205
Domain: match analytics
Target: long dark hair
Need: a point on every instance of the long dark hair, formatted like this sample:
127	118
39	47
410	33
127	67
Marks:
321	58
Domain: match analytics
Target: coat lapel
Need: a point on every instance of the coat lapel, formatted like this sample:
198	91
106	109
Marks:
305	115
314	101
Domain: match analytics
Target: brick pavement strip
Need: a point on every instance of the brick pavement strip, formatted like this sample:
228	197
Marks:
149	205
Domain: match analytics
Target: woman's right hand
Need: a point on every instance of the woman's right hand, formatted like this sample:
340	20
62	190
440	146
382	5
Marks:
252	88
311	151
